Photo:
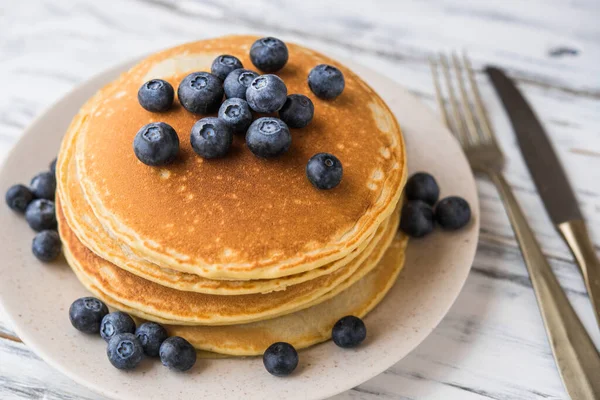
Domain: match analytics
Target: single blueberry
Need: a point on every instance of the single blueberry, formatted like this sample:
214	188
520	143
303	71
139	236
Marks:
324	171
326	81
416	219
237	83
156	144
52	166
298	111
211	137
18	198
41	215
200	93
269	54
422	186
452	213
86	314
236	113
268	137
114	323
124	351
280	359
224	65
156	95
349	331
151	335
43	185
46	245
266	94
177	354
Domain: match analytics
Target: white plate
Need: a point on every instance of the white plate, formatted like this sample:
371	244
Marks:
37	297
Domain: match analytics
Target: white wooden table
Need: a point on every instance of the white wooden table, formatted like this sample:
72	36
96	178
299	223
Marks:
491	345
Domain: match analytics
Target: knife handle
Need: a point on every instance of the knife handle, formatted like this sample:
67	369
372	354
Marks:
577	237
576	356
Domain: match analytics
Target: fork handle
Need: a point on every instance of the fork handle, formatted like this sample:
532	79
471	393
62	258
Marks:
576	356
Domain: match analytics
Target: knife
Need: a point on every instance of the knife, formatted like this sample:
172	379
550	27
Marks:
551	182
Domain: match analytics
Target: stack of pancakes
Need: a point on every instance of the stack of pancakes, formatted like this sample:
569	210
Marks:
236	253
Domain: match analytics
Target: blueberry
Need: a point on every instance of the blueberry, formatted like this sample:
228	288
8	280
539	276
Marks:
266	94
416	219
151	335
236	113
268	137
86	314
452	213
237	83
224	65
156	144
156	95
18	198
52	166
422	186
324	171
348	332
297	111
43	185
280	359
326	81
41	215
211	137
200	93
114	323
269	54
177	354
124	351
46	245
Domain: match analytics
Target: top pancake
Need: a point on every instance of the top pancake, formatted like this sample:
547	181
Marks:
240	217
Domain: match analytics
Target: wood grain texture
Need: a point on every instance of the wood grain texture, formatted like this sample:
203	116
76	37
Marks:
493	333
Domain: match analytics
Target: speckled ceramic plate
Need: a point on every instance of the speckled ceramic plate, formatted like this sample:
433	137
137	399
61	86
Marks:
36	296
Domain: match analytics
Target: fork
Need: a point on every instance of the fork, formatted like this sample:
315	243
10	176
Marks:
574	352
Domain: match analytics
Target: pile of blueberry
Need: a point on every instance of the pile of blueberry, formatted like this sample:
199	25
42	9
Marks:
37	203
246	92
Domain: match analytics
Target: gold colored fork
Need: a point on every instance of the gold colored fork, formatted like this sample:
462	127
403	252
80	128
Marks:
576	356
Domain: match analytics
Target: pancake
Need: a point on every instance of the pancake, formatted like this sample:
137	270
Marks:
240	217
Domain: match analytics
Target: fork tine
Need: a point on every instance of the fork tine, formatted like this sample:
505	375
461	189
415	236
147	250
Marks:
473	134
481	114
438	93
458	122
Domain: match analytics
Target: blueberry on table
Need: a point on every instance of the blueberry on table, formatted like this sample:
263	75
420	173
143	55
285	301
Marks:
151	335
237	83
41	215
224	65
268	137
349	332
422	186
43	185
200	93
156	95
156	144
236	113
115	323
86	314
266	94
269	54
280	359
452	213
124	351
211	137
297	111
18	198
52	166
416	219
46	245
177	354
324	171
326	81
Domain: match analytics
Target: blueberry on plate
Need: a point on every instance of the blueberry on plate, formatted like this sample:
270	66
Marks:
452	213
280	359
156	95
46	245
416	219
422	186
114	323
269	54
151	335
52	166
156	144
41	215
349	332
86	314
124	351
200	92
297	111
211	137
326	81
177	354
43	185
224	65
236	113
268	137
324	171
18	198
237	83
266	94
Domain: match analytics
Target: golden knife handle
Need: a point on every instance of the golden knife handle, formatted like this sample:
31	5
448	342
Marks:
576	356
